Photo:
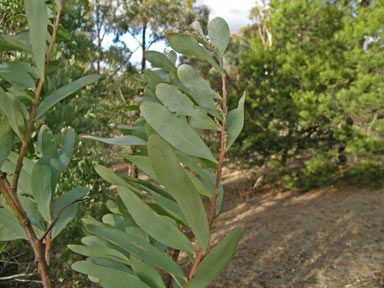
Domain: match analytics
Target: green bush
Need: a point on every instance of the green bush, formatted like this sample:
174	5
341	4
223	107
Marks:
319	171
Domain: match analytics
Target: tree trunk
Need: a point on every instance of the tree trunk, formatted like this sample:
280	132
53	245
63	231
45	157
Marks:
365	2
143	44
98	32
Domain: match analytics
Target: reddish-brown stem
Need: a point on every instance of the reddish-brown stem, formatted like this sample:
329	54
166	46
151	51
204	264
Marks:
48	243
198	259
10	192
36	244
27	135
201	253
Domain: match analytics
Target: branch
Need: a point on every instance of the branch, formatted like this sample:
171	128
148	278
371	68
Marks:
58	216
11	277
134	37
28	281
223	137
125	63
154	40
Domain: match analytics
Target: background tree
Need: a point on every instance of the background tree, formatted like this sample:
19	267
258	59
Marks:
318	86
148	21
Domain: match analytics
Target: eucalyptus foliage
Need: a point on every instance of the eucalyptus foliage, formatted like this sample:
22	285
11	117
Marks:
152	217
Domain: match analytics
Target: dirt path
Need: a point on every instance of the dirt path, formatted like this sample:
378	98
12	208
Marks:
323	238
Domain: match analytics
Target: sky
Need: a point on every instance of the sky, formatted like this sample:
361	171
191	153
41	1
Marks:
235	12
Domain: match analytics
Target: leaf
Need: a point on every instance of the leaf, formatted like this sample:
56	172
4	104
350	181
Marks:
172	56
37	17
14	115
64	92
175	100
176	181
116	278
175	130
218	32
212	188
152	79
197	27
62	33
100	251
137	131
46	143
7	137
235	123
199	88
138	247
155	225
151	187
116	221
121	140
109	176
67	213
166	207
24	185
195	165
6	234
112	206
143	163
149	96
200	187
131	107
65	155
189	46
109	277
147	273
110	264
10	221
8	43
33	215
202	121
97	241
178	102
159	60
27	163
18	73
41	188
94	240
129	127
215	261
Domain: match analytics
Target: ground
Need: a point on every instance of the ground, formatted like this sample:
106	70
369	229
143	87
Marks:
326	238
331	237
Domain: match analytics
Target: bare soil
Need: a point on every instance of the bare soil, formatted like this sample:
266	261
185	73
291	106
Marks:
331	237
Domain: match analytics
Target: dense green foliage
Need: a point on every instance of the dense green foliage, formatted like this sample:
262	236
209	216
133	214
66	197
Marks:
313	75
149	217
317	87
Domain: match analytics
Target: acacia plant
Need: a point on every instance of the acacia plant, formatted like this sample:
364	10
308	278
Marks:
152	222
29	207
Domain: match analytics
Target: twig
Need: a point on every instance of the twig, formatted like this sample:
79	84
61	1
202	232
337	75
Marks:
58	216
28	281
12	277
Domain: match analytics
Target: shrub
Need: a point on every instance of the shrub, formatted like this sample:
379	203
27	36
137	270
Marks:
150	217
